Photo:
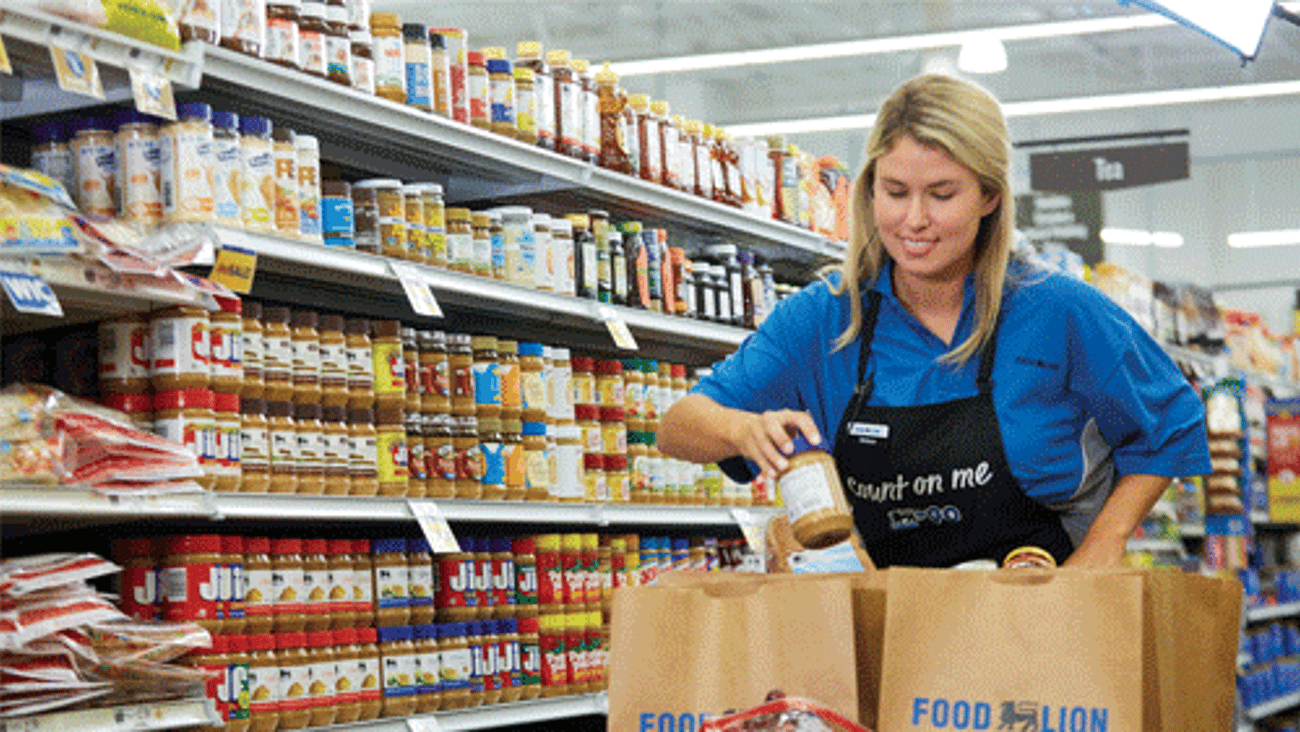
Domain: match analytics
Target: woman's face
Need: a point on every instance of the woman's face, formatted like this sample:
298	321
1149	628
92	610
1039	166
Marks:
928	208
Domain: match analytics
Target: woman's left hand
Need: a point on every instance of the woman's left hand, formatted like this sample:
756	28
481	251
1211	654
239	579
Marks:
1098	554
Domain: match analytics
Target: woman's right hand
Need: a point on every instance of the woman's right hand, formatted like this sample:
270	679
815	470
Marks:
765	437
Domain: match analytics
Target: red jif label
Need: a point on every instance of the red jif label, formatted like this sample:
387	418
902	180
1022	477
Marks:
189	592
140	593
455	584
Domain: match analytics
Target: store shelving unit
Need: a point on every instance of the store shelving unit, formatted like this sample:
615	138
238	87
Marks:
502	716
1280	704
1272	612
127	718
1154	545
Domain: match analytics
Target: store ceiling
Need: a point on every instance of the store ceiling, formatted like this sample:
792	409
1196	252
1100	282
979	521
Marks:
1163	58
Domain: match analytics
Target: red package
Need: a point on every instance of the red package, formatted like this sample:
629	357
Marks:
782	714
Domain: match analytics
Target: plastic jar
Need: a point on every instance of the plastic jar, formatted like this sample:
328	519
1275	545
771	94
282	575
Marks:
613	431
440	454
537	465
124	355
481	243
305	344
533	387
186	165
309	452
337	219
316	586
492	457
253	383
554	656
473	636
469	460
135	158
287	586
502	578
440	74
549	574
181	348
617	480
519	245
477	87
509	674
256	194
610	387
363	60
530	664
524	556
138	580
569	480
51	155
489	642
638	458
595	485
360	363
263	683
435	223
392	579
588	422
185	417
390	56
810	488
417	243
277	355
415	37
487	377
259	597
363	462
225	346
391	196
428	694
512	449
92	149
363	583
372	674
307	157
526	106
186	573
392	461
482	551
509	378
398	662
460	361
411	364
295	679
417	482
435	380
282	44
573	572
284	152
348	678
235	688
338	565
501	94
311	38
332	354
322	691
389	366
226	442
420	581
365	211
457	665
455	599
460	240
496	231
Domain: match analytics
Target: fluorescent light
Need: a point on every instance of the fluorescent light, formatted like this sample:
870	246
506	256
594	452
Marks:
1042	107
1249	239
871	46
1140	238
982	56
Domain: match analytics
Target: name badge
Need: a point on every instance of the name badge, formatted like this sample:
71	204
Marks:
867	429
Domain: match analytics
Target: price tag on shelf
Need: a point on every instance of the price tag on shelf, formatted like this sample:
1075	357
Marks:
30	294
152	92
417	290
618	329
235	268
435	527
5	66
76	72
754	529
423	724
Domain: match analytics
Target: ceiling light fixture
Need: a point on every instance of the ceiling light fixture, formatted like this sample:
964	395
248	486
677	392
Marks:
1140	238
1042	107
871	46
982	56
1251	239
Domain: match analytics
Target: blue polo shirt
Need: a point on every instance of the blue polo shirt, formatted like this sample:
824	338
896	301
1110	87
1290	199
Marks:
1078	385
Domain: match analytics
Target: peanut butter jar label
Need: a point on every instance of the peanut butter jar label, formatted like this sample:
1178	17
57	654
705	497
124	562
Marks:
389	369
264	689
399	675
190	592
294	684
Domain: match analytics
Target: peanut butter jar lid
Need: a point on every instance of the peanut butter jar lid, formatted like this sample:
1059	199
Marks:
802	445
330	323
279	409
364	415
307	412
334	414
356	326
275	315
305	319
386	328
252	310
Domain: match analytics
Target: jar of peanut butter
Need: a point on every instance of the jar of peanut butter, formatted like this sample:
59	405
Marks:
322	677
347	673
469	462
333	350
455	600
460	360
287	586
457	665
237	689
316	586
311	449
283	438
492	455
263	683
295	679
512	448
181	349
411	362
185	417
390	449
397	654
435	372
338	565
124	359
230	586
251	350
372	674
440	456
254	447
335	436
187	565
392	579
417	484
225	347
420	582
305	345
277	355
428	659
389	366
360	364
363	583
508	368
363	466
810	488
259	594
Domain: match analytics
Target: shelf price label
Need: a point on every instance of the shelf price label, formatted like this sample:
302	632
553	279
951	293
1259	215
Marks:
435	527
618	329
417	290
30	294
235	268
423	724
152	93
76	72
753	528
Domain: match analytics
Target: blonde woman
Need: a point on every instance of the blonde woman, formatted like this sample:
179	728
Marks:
973	403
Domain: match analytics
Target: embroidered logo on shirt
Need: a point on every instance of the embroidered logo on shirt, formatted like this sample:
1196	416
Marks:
867	429
1025	361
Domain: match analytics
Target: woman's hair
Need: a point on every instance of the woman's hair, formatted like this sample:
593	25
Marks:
965	121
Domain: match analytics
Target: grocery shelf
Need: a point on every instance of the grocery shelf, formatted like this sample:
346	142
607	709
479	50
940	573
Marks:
1191	530
127	718
359	272
30	500
1243	659
1272	612
503	716
1154	545
374	135
88	292
1220	365
1280	704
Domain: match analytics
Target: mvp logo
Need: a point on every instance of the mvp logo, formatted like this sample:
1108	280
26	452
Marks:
1013	716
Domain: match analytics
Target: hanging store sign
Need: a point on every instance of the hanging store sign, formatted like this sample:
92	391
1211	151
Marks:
1066	220
1108	168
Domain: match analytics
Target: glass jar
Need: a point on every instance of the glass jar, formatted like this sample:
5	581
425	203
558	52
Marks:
243	26
615	151
460	240
338	45
390	57
587	110
567	99
528	55
562	256
585	260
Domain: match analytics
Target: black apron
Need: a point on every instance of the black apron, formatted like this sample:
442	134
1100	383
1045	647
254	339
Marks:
930	485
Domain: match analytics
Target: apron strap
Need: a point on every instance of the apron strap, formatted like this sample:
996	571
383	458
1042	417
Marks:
984	380
865	335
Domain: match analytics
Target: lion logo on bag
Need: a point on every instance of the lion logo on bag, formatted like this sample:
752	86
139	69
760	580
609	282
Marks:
1024	713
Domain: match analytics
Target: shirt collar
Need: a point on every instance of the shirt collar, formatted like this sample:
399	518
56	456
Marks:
885	286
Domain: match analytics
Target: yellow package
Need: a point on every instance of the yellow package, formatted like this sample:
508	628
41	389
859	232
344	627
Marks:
151	21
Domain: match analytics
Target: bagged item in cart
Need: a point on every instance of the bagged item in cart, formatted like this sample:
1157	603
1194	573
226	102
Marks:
1150	650
779	714
693	649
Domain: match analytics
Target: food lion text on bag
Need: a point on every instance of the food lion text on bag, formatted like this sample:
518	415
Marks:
670	721
1011	715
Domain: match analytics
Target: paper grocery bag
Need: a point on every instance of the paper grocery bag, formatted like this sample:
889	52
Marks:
681	654
1022	651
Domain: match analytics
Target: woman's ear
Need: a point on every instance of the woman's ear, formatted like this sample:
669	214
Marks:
991	201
